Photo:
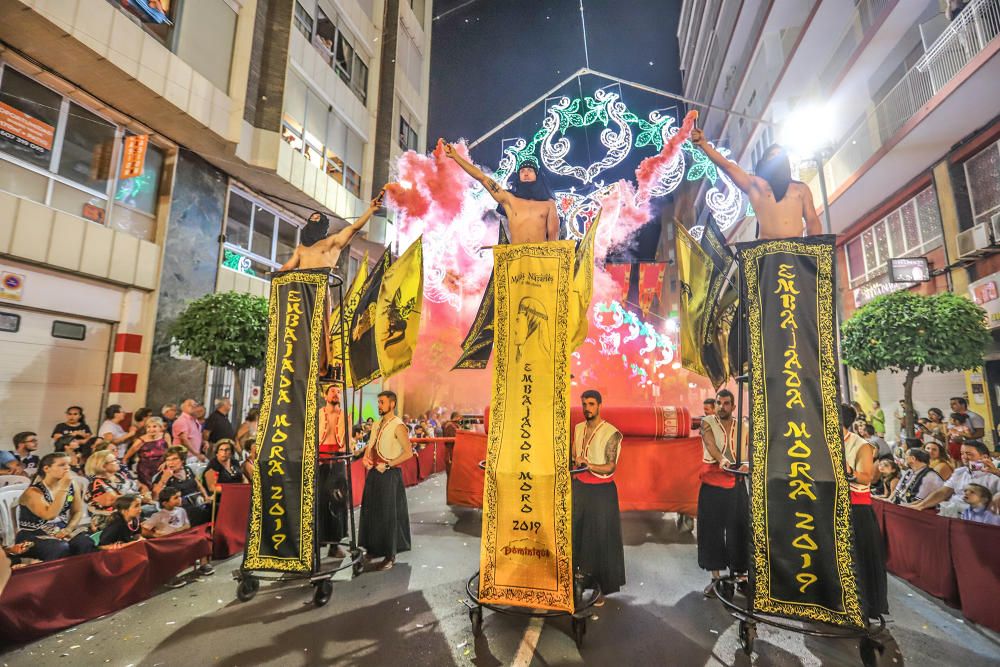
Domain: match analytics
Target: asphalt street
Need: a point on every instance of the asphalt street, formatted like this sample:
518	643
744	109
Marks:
413	615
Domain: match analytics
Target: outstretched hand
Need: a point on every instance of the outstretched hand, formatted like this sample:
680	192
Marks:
697	137
449	150
376	202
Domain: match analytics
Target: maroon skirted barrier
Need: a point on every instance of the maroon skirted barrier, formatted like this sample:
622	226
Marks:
949	558
466	478
230	533
655	422
48	597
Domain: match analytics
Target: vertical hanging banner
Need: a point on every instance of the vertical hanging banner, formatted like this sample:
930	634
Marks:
363	354
397	320
351	299
800	505
478	343
283	503
526	552
721	304
694	271
583	286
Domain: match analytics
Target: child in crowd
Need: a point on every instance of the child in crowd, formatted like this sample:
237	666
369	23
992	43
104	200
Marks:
979	497
124	524
172	518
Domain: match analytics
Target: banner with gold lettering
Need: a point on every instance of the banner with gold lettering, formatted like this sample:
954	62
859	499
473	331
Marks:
526	553
799	499
363	354
351	299
280	535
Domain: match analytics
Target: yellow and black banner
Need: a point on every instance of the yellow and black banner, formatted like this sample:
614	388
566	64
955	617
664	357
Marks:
283	502
583	285
478	343
694	270
397	317
363	354
721	304
526	551
799	496
351	299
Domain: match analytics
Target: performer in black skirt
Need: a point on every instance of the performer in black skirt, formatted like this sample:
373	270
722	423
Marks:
384	528
869	556
723	530
597	531
332	509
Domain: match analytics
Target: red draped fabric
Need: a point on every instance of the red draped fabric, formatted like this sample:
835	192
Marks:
230	533
357	480
409	469
441	456
465	481
425	461
47	597
648	421
918	550
975	548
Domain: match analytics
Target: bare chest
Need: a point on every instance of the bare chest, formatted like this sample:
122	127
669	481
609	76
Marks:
314	258
779	219
527	220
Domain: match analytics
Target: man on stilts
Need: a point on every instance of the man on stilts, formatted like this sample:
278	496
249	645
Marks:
597	532
333	494
384	527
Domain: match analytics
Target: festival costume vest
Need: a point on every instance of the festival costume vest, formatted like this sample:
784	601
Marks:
913	484
711	473
385	447
595	450
854	444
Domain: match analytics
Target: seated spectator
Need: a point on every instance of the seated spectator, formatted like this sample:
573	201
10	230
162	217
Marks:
25	444
888	478
51	511
175	474
977	468
940	460
919	480
978	497
10	465
222	469
111	429
150	448
124	524
74	426
169	520
250	461
959	430
107	482
247	431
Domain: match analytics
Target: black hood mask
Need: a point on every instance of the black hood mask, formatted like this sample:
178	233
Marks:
776	170
536	190
315	231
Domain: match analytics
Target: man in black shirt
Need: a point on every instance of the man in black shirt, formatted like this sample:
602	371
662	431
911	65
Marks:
25	444
217	426
75	426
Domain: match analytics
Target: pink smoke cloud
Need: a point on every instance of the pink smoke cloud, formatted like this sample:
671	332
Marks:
650	169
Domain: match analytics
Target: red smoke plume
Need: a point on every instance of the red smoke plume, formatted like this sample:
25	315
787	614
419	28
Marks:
649	170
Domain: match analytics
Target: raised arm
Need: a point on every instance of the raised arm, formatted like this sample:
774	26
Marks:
292	263
492	187
742	179
344	236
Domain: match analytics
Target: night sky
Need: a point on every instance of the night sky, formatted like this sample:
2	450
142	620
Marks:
492	57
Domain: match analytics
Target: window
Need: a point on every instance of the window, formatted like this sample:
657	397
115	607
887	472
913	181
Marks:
345	58
258	237
10	322
303	21
909	231
407	135
981	175
352	181
57	152
418	10
69	330
409	59
158	21
205	40
325	37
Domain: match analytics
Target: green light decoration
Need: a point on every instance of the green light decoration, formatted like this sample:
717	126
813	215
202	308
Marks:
237	262
701	167
651	133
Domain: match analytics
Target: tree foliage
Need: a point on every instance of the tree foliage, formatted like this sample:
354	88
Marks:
224	329
905	332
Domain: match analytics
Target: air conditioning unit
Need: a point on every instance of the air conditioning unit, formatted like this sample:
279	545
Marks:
974	242
995	227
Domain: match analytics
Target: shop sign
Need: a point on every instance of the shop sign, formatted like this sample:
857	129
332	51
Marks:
134	156
984	293
26	130
11	285
876	288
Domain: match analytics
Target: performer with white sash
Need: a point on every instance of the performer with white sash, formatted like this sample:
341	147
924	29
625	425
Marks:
598	553
384	528
723	530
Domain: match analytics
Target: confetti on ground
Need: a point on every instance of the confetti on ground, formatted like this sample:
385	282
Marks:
463	644
714	632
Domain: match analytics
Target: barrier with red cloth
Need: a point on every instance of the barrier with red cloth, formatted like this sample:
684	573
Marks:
658	475
230	533
952	559
48	597
655	422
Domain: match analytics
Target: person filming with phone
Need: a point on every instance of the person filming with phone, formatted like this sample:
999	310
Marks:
977	468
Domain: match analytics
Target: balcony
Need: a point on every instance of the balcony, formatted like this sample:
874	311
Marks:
920	90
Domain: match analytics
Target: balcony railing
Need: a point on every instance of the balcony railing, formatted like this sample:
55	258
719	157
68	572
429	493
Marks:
861	21
960	42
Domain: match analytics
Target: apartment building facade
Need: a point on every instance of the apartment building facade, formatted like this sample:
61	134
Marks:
901	100
153	153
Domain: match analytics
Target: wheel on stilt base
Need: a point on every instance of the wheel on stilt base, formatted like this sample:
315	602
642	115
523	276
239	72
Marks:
247	587
748	633
870	650
323	592
359	564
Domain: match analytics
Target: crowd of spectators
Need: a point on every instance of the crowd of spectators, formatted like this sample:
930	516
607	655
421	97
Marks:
944	465
137	476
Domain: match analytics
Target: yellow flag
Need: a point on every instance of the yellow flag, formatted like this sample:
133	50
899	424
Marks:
397	315
526	555
350	303
694	270
583	287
